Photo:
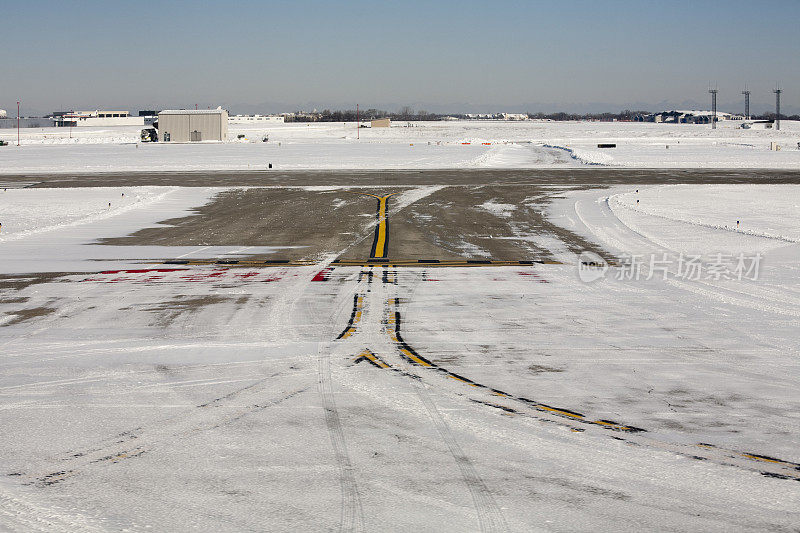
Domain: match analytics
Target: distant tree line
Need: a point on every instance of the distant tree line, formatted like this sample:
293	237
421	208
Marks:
622	115
349	115
771	116
406	113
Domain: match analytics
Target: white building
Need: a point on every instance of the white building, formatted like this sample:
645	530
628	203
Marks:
255	119
192	125
98	118
3	113
515	116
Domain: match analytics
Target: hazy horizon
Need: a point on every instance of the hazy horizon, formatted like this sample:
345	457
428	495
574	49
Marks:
756	108
468	56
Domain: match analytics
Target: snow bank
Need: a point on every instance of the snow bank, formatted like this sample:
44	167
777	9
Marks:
53	230
27	212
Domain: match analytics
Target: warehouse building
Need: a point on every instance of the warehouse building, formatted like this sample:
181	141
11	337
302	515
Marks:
26	122
77	119
192	125
380	123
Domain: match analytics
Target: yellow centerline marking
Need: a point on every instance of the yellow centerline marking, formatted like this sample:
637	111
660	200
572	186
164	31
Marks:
380	245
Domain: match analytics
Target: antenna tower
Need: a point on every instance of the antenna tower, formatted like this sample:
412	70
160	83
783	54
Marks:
746	94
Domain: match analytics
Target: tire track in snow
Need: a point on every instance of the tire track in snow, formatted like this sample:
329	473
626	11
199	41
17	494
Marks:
741	298
18	514
132	443
352	513
490	517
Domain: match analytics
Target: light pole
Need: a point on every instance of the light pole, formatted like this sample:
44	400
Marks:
713	108
17	122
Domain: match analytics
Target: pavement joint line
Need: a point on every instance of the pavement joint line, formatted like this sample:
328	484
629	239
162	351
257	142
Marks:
356	262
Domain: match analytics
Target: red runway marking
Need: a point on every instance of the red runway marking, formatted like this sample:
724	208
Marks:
533	275
323	275
180	275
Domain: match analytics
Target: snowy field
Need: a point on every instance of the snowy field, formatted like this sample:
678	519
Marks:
158	397
414	145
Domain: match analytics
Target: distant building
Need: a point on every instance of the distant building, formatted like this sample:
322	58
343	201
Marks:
686	117
95	118
758	125
3	113
380	123
302	116
192	125
496	116
149	116
256	119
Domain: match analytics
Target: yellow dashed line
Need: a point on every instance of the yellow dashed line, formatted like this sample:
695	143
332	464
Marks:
414	358
371	356
757	458
559	411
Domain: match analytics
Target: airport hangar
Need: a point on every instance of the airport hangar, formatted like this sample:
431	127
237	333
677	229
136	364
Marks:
192	125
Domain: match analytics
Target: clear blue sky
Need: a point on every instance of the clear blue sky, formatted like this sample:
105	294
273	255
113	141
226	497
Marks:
504	54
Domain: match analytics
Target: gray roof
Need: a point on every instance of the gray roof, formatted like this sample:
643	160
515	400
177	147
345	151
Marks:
192	111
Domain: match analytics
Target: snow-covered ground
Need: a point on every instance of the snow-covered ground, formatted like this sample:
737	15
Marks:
682	255
209	398
415	145
771	211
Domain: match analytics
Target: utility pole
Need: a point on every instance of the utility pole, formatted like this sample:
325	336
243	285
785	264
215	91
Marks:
17	122
746	94
713	108
358	125
777	92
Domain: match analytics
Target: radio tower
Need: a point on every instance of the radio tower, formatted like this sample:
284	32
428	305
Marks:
746	94
713	108
777	92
